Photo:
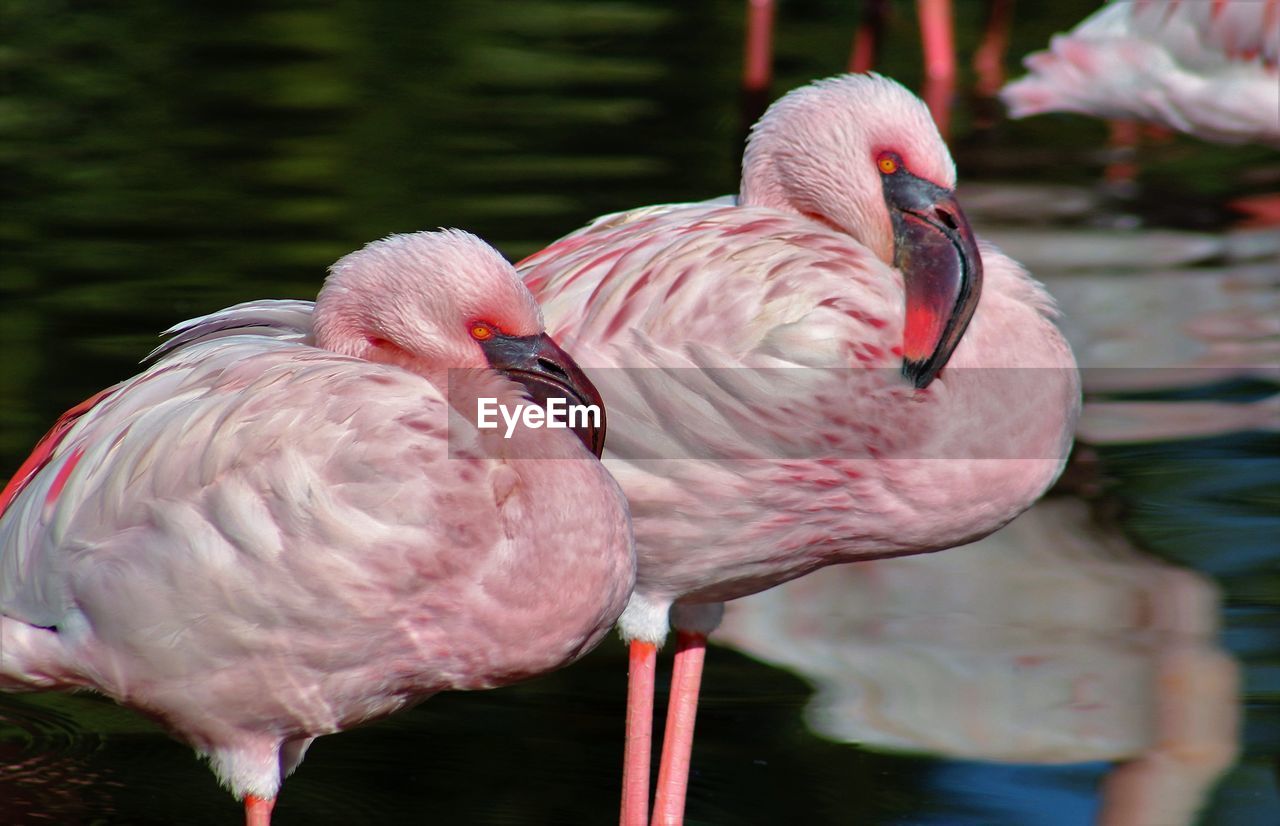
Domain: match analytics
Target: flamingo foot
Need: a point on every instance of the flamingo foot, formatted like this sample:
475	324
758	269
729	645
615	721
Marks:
677	742
257	810
636	757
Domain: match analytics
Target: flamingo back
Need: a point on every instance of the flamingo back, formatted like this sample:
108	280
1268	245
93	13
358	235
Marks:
751	362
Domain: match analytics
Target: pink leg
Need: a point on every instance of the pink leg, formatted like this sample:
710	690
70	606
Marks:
868	36
937	36
677	742
939	58
757	64
1122	144
635	762
757	61
988	61
257	810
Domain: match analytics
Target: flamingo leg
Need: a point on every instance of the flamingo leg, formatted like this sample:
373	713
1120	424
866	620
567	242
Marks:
677	742
757	61
1122	145
938	38
757	67
988	60
868	36
636	756
257	810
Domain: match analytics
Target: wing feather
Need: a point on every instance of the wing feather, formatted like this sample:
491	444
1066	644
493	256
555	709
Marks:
213	416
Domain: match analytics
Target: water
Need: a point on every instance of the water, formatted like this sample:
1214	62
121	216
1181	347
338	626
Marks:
158	163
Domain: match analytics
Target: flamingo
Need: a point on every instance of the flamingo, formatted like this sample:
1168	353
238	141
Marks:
829	367
1208	69
288	524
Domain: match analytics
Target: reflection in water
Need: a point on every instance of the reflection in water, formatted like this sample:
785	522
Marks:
1133	422
1153	311
1052	641
1162	328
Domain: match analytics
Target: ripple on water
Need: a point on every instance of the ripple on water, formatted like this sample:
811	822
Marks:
46	766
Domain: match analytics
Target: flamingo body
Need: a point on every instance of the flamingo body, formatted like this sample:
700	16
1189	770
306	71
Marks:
259	540
753	353
1207	69
750	362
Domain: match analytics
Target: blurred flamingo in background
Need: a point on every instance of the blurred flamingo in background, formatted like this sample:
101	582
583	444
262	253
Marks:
937	40
287	525
829	368
1208	69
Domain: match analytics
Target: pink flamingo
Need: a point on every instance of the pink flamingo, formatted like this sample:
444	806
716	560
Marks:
287	525
1205	68
904	415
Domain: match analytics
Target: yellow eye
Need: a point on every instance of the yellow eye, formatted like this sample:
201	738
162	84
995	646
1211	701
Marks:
481	331
888	164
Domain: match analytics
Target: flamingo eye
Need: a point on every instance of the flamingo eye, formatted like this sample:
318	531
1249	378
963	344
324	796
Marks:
481	331
888	164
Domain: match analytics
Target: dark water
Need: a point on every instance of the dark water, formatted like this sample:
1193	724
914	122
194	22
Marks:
158	162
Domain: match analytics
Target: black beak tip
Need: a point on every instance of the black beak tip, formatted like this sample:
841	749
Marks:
920	373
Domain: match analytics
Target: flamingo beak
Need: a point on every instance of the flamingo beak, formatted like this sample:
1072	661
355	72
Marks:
548	372
937	253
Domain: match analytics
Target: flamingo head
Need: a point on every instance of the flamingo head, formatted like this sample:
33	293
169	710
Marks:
429	302
861	154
